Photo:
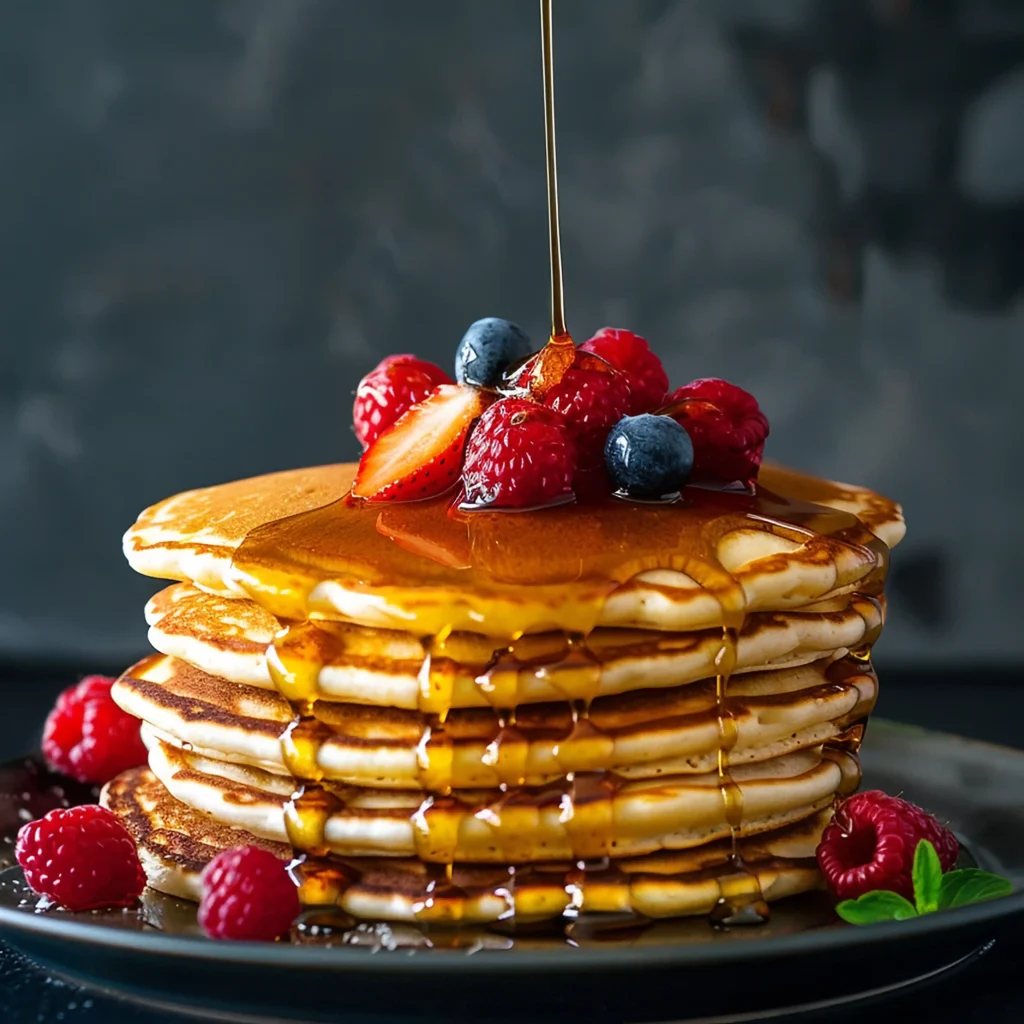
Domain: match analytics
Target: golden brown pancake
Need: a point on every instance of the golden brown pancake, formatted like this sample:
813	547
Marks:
421	567
594	815
239	641
451	715
640	734
175	844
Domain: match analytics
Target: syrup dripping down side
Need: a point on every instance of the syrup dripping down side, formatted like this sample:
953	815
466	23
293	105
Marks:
685	538
740	898
435	826
311	804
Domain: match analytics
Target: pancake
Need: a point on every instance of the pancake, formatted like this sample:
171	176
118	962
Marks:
641	734
175	844
421	568
444	715
593	815
193	535
237	640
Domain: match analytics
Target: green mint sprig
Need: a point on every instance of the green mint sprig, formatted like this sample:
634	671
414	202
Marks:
933	891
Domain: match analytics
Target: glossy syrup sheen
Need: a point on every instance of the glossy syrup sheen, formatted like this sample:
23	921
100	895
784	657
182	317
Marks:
568	558
584	551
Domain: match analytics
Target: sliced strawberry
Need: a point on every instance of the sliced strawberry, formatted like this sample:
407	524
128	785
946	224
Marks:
420	454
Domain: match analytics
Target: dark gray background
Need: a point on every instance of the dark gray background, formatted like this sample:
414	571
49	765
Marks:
215	216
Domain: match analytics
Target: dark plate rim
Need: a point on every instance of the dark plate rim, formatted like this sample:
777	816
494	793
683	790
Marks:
297	957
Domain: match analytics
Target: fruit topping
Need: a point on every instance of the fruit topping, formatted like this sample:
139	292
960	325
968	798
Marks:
565	422
544	370
648	457
487	349
420	455
592	403
82	858
871	841
726	425
934	889
632	355
247	895
394	385
88	737
520	455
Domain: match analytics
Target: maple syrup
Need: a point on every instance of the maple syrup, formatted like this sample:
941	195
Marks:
740	898
508	577
545	370
573	559
559	334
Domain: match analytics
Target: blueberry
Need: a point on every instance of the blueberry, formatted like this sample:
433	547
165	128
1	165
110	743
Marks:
487	349
648	456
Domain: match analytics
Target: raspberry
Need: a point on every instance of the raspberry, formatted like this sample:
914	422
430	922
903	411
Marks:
870	844
88	737
726	426
394	385
519	455
247	894
81	858
592	403
632	355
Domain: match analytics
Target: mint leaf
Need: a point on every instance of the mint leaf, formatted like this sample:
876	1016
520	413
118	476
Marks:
879	905
927	876
972	885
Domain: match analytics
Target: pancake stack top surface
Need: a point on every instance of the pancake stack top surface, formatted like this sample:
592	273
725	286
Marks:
443	715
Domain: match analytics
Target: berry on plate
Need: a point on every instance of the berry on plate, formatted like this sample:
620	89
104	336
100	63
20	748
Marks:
88	737
520	455
487	349
726	425
648	456
82	858
391	387
592	403
420	455
631	354
247	895
871	841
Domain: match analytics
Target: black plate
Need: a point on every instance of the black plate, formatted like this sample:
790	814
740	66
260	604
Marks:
681	970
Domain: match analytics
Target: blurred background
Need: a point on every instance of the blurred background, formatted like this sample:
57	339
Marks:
215	217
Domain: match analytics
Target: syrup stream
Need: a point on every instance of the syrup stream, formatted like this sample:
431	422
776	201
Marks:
558	328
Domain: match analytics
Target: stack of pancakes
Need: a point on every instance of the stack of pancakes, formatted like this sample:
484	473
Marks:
446	716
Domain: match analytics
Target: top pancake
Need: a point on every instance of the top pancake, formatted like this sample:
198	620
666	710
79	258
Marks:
301	548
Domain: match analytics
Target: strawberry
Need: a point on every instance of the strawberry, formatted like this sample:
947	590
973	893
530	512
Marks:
420	455
397	383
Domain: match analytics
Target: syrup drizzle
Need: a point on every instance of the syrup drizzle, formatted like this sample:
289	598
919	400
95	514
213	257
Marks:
559	333
547	367
685	537
740	898
586	556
